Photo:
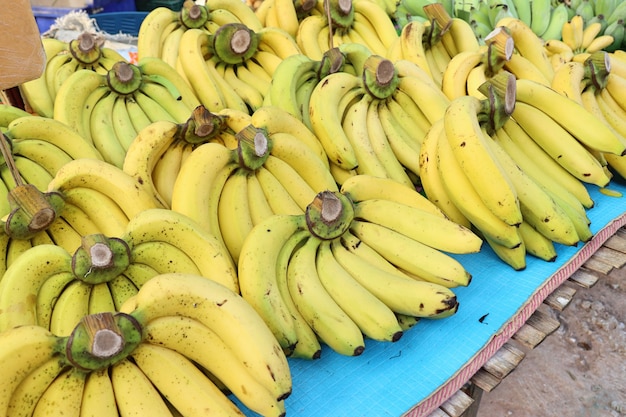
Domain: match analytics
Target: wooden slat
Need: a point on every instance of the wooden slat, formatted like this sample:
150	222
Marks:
456	405
616	242
529	336
598	265
584	278
611	257
543	322
560	298
439	413
502	362
485	381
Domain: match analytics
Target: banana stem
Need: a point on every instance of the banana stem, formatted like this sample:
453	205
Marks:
193	16
86	48
253	147
100	258
380	77
102	339
202	126
597	69
8	159
329	215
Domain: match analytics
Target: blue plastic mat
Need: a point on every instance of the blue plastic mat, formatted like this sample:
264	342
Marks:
433	359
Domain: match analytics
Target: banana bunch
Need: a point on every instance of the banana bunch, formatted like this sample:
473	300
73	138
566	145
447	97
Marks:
233	67
578	41
108	110
611	14
162	29
373	123
260	171
102	272
360	21
155	156
86	51
344	270
171	335
596	86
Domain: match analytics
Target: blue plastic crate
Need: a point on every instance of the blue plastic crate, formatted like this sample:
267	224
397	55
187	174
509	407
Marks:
45	16
116	22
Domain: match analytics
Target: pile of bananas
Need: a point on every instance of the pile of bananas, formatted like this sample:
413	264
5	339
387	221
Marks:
265	182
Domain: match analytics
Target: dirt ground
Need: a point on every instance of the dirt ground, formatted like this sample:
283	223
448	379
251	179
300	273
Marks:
577	371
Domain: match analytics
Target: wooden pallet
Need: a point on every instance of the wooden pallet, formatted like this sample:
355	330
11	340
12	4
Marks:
466	401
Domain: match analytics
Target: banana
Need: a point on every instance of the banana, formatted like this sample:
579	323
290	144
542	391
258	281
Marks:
388	146
431	100
284	84
64	235
249	94
332	325
326	117
307	35
356	246
37	263
15	249
412	46
241	10
98	395
470	148
184	385
106	178
174	106
122	288
105	214
278	197
170	43
30	389
139	118
72	96
528	44
540	11
257	272
277	41
151	66
403	136
200	344
431	181
181	231
403	295
537	244
66	389
134	393
196	71
376	16
569	80
101	299
71	306
537	171
295	152
54	132
139	274
536	203
454	81
523	68
412	222
570	115
610	109
48	156
260	208
166	170
163	257
355	127
9	113
235	221
434	266
151	28
93	98
199	184
34	346
467	199
558	18
550	166
149	146
103	133
375	319
123	124
32	173
296	186
205	300
567	151
276	120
